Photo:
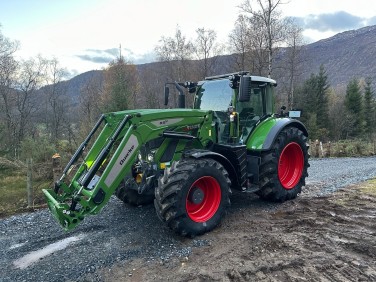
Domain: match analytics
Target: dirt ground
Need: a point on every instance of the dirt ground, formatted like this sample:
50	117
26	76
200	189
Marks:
308	239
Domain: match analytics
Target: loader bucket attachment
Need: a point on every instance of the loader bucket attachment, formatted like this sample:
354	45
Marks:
60	211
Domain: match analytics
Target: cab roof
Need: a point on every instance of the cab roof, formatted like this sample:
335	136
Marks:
243	73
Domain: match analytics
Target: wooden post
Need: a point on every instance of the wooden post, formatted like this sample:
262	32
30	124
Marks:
29	182
56	167
317	152
321	150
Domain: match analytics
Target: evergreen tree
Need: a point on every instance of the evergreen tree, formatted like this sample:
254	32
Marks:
353	104
369	109
313	100
322	87
120	86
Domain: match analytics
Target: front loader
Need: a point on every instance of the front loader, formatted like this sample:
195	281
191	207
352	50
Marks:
188	160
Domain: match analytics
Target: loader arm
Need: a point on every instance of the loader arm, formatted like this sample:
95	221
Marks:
112	155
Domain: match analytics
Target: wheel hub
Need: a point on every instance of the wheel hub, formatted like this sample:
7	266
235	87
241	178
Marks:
203	199
196	195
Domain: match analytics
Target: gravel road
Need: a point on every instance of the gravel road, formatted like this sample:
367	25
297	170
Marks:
35	248
327	175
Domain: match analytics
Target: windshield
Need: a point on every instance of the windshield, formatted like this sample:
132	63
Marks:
214	95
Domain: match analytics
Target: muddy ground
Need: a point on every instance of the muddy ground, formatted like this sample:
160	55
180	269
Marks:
326	234
329	238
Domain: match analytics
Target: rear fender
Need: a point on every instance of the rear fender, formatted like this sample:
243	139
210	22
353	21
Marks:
263	137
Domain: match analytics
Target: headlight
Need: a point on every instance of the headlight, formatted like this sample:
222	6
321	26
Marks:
150	157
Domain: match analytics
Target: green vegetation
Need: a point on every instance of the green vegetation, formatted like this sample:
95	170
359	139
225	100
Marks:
13	191
369	187
362	190
331	114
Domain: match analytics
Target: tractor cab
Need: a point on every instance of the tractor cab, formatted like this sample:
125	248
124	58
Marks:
239	102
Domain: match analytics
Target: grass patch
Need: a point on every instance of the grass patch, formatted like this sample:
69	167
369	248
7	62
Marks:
369	187
13	191
361	190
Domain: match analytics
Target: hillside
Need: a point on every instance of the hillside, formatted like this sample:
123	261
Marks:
346	55
75	84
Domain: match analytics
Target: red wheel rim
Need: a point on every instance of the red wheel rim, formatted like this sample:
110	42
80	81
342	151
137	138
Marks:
290	165
210	191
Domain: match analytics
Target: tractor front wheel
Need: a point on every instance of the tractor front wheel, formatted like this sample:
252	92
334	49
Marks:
283	169
192	196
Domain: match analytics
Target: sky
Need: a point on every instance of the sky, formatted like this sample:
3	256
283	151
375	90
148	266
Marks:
86	35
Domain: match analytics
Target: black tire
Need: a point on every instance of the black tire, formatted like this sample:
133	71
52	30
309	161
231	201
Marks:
189	181
128	193
283	169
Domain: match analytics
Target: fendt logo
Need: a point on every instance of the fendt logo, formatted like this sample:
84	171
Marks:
164	122
122	161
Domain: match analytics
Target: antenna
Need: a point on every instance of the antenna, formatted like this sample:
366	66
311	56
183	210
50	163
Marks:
120	51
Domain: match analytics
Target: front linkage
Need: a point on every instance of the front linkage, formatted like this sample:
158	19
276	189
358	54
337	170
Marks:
111	158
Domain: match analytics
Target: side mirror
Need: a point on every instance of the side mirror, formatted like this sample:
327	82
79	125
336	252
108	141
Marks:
244	89
191	86
166	94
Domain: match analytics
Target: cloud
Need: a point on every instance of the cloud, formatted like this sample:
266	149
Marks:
371	21
99	56
95	59
114	52
337	21
105	56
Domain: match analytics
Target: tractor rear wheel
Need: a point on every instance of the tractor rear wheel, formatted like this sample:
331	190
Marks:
128	193
192	196
283	169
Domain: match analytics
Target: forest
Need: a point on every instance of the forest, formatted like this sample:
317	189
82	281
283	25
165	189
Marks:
39	118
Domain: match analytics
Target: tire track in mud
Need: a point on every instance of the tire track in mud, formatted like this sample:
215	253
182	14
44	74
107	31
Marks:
329	238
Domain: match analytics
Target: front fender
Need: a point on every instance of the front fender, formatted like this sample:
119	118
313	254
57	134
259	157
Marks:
262	138
233	173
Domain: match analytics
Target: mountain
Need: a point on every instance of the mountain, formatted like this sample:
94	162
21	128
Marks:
75	84
345	55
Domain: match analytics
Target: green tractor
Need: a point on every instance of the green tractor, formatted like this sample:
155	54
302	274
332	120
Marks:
187	161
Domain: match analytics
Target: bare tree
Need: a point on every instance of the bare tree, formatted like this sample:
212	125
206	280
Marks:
176	52
7	47
152	86
259	54
57	106
90	107
176	48
239	42
8	67
30	78
206	50
292	61
270	24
